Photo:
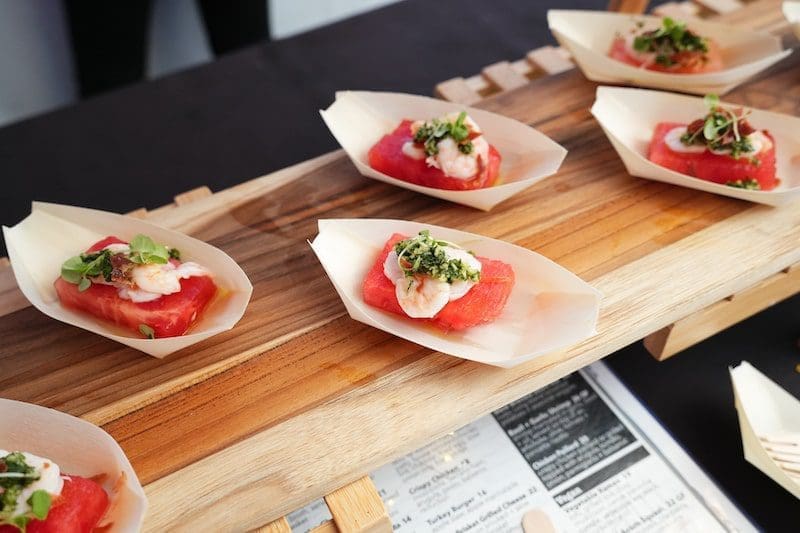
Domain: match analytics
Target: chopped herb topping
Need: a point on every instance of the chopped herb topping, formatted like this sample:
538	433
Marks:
747	183
147	331
115	266
432	132
722	130
425	255
668	40
15	476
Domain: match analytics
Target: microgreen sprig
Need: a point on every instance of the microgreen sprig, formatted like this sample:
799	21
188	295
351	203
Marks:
671	38
721	130
431	133
425	255
15	476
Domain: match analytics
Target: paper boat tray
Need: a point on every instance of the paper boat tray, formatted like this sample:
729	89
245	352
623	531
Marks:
629	116
79	448
791	10
764	409
52	233
588	36
358	120
549	307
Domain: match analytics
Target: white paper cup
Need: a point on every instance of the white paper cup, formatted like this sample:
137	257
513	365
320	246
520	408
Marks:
549	307
78	448
588	36
629	116
53	233
358	120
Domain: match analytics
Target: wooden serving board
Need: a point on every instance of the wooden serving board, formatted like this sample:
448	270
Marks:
298	399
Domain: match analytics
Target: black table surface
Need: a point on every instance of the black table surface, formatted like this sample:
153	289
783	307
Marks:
255	111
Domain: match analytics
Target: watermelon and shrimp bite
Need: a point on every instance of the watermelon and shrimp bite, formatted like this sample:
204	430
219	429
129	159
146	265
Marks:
721	147
435	281
36	497
139	285
444	153
671	48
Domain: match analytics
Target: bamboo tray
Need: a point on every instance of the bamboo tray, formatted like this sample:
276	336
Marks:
299	400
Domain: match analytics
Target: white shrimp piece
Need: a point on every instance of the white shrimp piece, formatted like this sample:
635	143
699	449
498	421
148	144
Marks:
422	296
391	268
156	278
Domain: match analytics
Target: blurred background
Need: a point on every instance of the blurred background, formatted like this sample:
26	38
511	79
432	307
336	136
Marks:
53	52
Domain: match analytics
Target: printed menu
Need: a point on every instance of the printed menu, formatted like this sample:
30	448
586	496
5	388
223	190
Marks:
580	455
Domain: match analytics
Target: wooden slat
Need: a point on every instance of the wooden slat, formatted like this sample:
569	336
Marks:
328	526
192	196
4	262
721	6
457	90
503	76
138	213
699	326
550	60
357	508
628	6
11	298
683	11
280	525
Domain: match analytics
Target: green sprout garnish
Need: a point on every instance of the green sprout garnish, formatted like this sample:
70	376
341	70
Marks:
722	129
425	255
434	131
15	476
748	183
671	38
147	331
81	269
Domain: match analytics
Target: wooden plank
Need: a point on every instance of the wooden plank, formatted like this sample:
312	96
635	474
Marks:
192	196
280	525
628	6
457	90
721	6
357	508
550	60
11	298
721	315
503	76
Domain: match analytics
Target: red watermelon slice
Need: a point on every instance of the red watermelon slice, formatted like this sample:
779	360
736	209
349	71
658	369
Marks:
387	157
482	304
713	167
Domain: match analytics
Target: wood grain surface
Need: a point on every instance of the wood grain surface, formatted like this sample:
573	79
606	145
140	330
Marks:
302	399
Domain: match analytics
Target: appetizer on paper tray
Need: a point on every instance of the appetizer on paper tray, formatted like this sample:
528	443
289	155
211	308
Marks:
455	292
61	474
697	57
36	497
672	48
454	153
438	281
722	147
450	152
142	286
703	144
130	288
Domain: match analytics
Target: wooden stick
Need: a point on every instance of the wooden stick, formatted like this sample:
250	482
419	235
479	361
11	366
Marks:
357	508
723	314
328	526
628	6
280	525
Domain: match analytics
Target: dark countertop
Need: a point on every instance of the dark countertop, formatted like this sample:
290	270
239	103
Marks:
255	111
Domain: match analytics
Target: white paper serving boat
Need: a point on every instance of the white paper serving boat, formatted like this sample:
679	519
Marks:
588	36
791	10
549	307
78	448
52	233
629	116
358	120
765	409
